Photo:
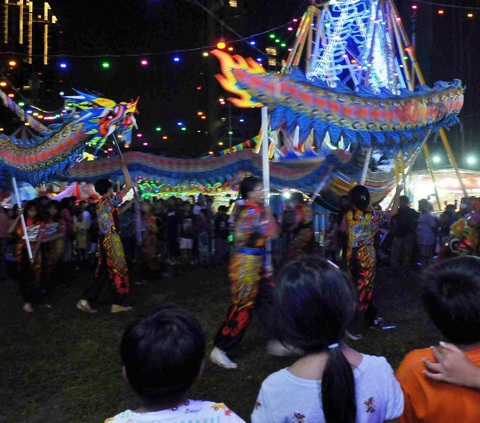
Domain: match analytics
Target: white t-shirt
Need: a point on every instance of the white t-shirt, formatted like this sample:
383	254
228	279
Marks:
285	398
191	411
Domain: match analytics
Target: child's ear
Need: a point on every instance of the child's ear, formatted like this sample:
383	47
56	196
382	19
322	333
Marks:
124	372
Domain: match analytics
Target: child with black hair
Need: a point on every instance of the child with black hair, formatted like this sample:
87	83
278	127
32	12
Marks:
112	264
314	305
452	299
162	356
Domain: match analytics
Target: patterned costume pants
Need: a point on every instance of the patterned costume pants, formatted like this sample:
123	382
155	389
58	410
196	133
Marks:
112	265
249	289
362	263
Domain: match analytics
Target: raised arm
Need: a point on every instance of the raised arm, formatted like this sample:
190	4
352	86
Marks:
128	178
396	200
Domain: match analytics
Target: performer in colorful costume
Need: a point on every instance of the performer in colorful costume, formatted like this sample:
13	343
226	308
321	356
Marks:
253	225
465	233
361	223
112	263
29	271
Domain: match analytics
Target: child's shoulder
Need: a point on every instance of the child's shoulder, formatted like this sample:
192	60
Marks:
201	410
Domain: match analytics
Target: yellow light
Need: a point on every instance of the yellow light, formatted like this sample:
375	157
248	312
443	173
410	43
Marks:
230	48
11	95
211	153
205	54
441	12
470	15
3	84
165	137
200	113
221	45
203	117
1	129
27	124
220	143
35	114
12	63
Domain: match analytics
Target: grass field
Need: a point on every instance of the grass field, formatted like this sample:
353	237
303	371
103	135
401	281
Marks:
62	365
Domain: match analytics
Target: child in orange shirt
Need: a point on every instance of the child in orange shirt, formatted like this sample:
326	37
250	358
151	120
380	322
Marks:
452	299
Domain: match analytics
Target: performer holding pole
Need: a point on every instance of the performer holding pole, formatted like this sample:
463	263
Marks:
360	224
249	269
253	226
112	263
30	231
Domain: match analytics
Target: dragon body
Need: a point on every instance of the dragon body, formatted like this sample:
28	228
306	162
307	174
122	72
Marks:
361	117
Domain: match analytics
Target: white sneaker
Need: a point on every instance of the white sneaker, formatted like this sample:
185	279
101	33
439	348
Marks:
27	308
275	347
220	357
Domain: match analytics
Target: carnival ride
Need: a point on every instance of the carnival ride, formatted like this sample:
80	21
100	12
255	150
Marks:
355	101
356	95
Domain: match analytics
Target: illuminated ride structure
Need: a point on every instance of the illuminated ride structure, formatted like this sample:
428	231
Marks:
351	95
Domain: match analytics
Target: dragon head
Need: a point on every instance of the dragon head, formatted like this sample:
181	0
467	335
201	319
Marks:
103	117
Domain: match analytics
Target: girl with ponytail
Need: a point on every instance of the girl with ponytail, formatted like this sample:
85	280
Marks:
314	304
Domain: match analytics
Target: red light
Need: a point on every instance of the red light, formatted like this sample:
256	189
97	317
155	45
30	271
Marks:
414	7
39	73
144	62
221	45
441	12
290	28
145	144
139	135
199	88
295	20
12	63
110	149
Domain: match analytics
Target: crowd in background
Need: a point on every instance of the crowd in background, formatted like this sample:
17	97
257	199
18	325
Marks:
160	232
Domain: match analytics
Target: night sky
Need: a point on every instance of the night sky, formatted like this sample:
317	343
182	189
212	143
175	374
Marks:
446	49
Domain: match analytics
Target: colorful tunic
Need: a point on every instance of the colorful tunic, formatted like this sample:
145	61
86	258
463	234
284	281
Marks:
361	228
110	246
468	235
246	268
